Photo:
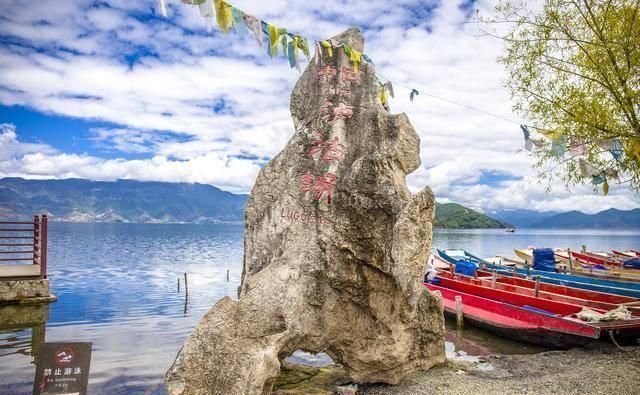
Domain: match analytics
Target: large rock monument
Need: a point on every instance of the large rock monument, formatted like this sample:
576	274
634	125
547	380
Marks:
334	246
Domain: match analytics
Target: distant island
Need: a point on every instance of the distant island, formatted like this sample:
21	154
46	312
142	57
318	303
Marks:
128	201
456	216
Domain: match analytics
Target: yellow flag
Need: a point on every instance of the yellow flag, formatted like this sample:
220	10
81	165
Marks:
355	57
328	46
274	35
383	96
224	15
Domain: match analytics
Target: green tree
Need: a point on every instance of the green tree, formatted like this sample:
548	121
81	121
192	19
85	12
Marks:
574	72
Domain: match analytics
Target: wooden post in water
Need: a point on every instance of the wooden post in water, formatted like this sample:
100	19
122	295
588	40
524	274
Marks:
494	277
227	275
186	285
43	246
459	313
178	284
537	286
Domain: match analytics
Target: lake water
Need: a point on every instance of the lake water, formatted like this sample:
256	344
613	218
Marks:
117	288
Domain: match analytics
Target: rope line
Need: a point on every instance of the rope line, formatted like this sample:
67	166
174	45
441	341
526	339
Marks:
423	92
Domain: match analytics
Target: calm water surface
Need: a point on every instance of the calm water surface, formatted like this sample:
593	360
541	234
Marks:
117	287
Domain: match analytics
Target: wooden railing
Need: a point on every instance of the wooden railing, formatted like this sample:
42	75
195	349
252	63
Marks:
22	242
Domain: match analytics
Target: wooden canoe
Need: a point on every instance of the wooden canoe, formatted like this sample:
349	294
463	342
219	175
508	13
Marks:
550	326
597	271
525	254
623	254
626	288
593	259
559	293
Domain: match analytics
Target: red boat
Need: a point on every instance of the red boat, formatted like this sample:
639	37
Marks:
592	259
526	318
558	293
623	255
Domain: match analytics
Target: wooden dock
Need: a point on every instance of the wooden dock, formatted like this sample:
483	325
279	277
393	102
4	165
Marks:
23	262
23	249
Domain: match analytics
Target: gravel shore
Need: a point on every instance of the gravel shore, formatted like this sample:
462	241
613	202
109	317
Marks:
602	369
599	369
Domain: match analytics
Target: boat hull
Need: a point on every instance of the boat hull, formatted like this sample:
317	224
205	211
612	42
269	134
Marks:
585	298
518	323
626	288
536	336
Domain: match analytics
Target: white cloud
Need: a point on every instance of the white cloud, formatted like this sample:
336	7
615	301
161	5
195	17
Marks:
12	149
160	79
18	159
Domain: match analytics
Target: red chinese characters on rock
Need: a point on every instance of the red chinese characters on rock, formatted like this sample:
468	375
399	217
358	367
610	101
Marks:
331	113
331	110
320	186
341	90
330	150
342	111
349	75
326	111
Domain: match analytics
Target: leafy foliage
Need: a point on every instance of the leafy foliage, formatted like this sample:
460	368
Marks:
574	71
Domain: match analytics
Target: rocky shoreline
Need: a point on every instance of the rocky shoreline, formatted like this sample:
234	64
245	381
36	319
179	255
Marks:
599	369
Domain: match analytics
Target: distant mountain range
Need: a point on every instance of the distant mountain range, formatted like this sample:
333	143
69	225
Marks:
607	219
77	200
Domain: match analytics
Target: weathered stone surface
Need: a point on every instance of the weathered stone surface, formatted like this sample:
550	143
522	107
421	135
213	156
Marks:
306	380
20	290
334	249
16	315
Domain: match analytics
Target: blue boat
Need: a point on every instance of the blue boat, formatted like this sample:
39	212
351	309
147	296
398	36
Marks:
593	284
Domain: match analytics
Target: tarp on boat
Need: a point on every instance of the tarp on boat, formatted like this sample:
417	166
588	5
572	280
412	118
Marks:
633	263
544	259
466	268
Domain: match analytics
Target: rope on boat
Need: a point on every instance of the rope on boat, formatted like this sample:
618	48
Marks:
610	332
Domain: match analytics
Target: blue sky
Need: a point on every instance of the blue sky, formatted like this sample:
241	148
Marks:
111	89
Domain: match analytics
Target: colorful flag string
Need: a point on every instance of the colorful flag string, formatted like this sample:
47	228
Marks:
279	40
282	42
